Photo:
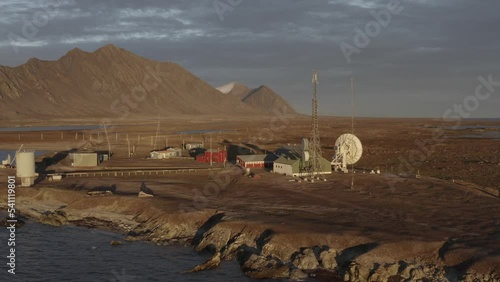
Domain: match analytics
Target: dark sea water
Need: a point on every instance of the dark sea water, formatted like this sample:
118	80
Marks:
69	253
49	128
199	131
489	131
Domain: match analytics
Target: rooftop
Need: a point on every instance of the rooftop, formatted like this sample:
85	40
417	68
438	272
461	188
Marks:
258	158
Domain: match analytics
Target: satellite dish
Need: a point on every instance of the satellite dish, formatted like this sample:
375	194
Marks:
348	151
351	145
305	156
305	144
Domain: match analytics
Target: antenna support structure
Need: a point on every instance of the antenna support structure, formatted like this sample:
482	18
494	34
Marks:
315	143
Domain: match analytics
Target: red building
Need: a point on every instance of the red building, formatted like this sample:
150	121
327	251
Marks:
216	156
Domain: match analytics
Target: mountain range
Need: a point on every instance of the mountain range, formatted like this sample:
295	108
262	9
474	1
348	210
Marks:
113	82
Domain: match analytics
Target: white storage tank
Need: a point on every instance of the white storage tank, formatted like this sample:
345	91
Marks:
25	167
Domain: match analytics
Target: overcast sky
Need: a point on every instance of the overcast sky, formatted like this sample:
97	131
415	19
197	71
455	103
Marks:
421	62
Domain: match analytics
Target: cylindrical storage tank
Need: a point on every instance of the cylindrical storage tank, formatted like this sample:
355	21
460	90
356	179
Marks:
25	163
25	168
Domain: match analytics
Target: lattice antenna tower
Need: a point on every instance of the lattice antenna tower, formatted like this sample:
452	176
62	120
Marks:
315	144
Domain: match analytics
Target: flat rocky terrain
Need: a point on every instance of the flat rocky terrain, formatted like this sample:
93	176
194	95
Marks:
432	214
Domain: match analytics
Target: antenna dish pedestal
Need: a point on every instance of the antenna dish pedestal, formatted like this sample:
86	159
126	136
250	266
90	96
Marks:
348	151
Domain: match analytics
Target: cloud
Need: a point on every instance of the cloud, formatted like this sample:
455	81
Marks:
24	43
426	59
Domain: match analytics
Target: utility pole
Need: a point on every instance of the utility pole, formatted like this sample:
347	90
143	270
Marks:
156	136
352	126
352	105
107	139
128	145
211	153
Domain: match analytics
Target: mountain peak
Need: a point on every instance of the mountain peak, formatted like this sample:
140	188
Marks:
110	49
32	61
73	54
76	51
264	98
264	87
235	89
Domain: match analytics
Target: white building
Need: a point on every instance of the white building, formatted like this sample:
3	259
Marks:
167	153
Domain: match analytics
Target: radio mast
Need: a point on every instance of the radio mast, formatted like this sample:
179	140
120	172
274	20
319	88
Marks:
315	146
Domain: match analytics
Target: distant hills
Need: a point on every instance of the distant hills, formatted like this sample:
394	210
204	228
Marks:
262	98
113	82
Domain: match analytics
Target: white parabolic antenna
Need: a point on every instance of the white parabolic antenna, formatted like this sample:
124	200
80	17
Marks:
348	150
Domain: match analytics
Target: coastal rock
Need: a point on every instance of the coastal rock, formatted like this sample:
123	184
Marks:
236	244
328	259
55	218
417	274
213	240
4	222
352	273
297	274
489	277
260	267
403	271
383	273
166	229
306	260
212	263
94	222
411	272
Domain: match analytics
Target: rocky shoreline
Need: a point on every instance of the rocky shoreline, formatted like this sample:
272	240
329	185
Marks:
261	251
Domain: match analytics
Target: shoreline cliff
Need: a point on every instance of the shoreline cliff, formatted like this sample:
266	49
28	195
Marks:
262	250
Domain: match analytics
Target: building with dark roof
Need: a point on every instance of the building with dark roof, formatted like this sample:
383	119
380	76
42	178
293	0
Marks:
256	161
294	161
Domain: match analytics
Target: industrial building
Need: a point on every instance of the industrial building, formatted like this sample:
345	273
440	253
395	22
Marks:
211	155
166	153
6	162
88	159
294	161
256	161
